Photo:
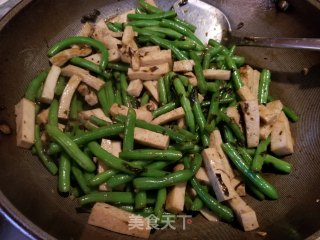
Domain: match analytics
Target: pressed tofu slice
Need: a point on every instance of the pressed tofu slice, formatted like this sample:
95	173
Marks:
128	38
214	74
156	57
175	198
245	214
66	97
245	94
234	114
42	117
117	220
114	56
50	84
149	73
270	112
219	180
135	88
209	215
265	130
183	66
250	111
106	144
142	113
281	138
192	78
173	115
255	83
89	96
202	176
152	89
98	112
64	56
149	49
25	112
151	139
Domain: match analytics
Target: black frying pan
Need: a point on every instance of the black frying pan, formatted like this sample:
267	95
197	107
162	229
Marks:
28	193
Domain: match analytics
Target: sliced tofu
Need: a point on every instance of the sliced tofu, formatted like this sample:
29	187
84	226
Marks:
125	54
89	96
152	89
245	94
64	56
269	113
116	147
234	114
255	83
219	180
209	215
117	220
202	176
86	77
250	111
175	198
128	38
183	66
151	2
121	18
66	97
25	112
86	30
42	117
114	56
156	58
142	114
239	185
245	214
214	74
135	61
149	49
265	130
106	144
281	138
85	115
102	27
135	88
192	78
108	41
50	84
151	139
181	123
173	115
149	73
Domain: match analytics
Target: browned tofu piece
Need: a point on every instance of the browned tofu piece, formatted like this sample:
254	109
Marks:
149	73
64	56
135	88
175	198
151	139
86	30
214	74
209	215
50	83
234	114
42	117
169	116
128	38
265	130
192	78
156	57
85	115
245	94
89	96
269	113
148	49
117	220
202	176
250	111
183	66
281	138
219	180
142	114
106	144
152	88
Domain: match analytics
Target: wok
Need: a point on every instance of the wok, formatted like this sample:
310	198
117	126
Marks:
29	194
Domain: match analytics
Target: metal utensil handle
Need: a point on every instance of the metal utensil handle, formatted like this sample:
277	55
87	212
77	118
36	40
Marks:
297	43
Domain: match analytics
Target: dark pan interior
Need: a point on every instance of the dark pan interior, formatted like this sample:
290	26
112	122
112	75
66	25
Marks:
32	191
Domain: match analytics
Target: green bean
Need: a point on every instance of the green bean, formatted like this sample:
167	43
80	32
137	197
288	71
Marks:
223	50
117	94
75	192
113	27
143	23
167	83
161	201
78	175
64	173
197	111
45	159
167	31
183	30
213	86
149	8
233	126
184	80
257	162
148	183
74	107
53	113
35	85
258	194
185	24
184	45
157	165
61	45
155	128
245	155
168	45
189	117
128	141
128	208
287	111
98	121
61	84
162	92
102	177
71	148
196	163
124	86
197	204
103	100
164	109
208	55
139	10
202	84
227	134
112	161
144	99
151	155
108	197
189	135
119	25
277	163
214	106
140	200
154	16
86	64
238	60
122	67
154	173
119	179
183	147
261	184
264	86
148	33
178	86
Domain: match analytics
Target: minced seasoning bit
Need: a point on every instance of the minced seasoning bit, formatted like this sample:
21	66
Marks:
5	129
305	71
262	234
154	68
90	17
240	25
